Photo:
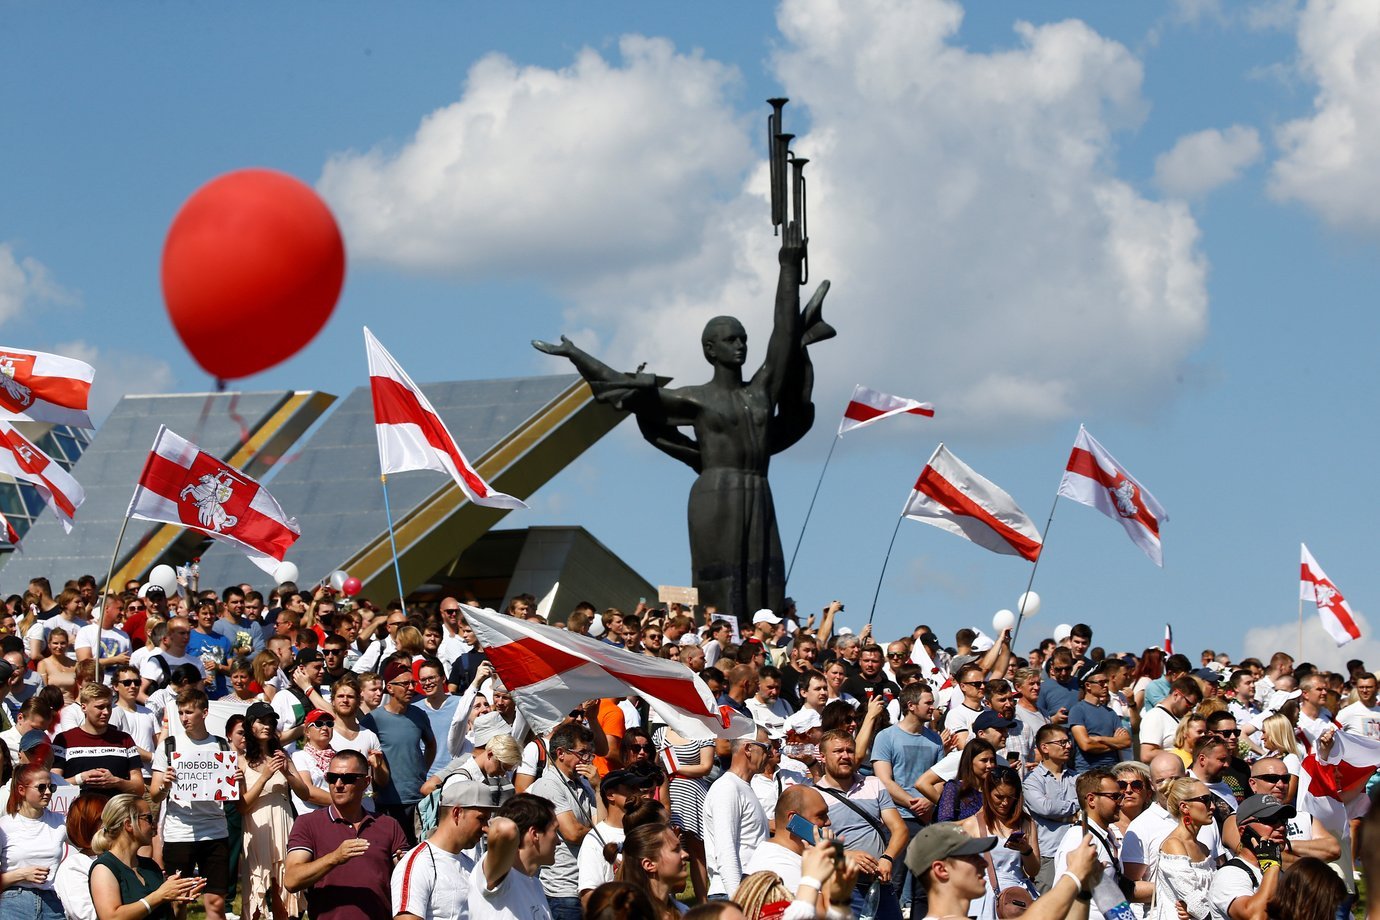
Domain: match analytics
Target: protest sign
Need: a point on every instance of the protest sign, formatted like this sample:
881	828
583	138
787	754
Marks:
205	776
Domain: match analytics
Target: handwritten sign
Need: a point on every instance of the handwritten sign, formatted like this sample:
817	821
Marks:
668	594
205	776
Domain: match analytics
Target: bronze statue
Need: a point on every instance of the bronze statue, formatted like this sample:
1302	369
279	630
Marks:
735	550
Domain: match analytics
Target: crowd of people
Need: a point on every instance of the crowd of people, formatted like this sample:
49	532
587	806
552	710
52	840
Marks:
379	768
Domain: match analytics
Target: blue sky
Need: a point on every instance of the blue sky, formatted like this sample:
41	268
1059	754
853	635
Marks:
1159	220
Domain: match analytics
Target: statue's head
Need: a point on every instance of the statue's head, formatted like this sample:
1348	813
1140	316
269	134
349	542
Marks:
725	341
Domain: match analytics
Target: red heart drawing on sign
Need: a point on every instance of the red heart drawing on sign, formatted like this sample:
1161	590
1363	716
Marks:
220	757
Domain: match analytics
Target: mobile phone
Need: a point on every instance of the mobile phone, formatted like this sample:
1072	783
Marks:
801	828
1016	837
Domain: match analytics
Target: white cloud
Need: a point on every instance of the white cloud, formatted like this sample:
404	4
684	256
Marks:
1318	647
118	373
983	251
1331	159
1199	163
26	283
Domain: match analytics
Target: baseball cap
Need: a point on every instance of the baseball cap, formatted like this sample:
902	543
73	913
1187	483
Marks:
1263	808
765	616
6	670
1279	697
467	793
627	778
929	640
151	589
844	630
394	669
989	719
941	841
260	711
1207	675
983	642
316	715
959	662
32	739
307	656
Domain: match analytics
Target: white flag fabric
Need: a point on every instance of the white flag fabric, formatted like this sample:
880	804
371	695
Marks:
551	671
183	485
936	678
868	406
21	458
1333	610
36	386
1094	478
411	434
950	495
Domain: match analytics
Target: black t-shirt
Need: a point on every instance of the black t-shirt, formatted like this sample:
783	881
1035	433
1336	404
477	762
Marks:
864	689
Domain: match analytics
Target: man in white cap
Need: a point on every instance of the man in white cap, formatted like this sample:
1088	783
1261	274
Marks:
734	821
765	628
432	880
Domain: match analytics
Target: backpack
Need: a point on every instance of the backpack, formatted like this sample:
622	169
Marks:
166	677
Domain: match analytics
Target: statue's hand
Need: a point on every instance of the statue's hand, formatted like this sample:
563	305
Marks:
792	247
817	301
562	350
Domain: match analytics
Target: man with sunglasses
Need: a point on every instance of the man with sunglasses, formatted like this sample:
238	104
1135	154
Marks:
958	721
1306	835
568	784
1059	693
133	717
342	856
432	881
453	641
1237	774
1245	883
1097	732
196	838
1100	800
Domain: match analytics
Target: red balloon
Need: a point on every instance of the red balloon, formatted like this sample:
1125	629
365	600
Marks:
252	268
351	586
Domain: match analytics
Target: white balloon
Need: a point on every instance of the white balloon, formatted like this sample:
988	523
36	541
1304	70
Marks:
1003	619
1061	632
286	571
165	576
337	579
1030	601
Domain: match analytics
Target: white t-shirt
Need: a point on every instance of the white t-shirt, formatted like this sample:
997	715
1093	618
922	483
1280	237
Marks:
1158	727
32	842
70	717
150	669
713	651
11	738
73	885
734	825
768	789
162	705
1360	719
960	718
528	765
41	628
366	742
516	897
594	869
187	822
306	765
432	883
1231	882
773	857
139	657
139	723
112	642
1068	842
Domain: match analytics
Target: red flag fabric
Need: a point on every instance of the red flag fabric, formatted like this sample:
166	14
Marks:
1333	610
9	535
868	406
1094	478
183	485
951	496
411	434
551	671
39	387
20	458
1168	639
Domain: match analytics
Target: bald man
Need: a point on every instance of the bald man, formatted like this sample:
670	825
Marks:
781	852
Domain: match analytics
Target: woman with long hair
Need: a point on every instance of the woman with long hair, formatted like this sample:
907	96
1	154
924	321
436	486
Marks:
1149	670
267	777
234	821
1185	866
619	901
265	667
961	797
73	879
692	761
1308	890
1015	861
1192	728
1133	779
1278	738
125	885
655	861
32	840
60	669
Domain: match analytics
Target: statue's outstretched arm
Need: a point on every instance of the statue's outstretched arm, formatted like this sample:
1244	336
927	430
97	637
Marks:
783	348
670	440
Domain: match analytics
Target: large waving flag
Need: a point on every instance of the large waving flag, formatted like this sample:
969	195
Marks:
1335	613
20	458
951	496
868	406
551	671
38	387
1095	479
183	485
411	434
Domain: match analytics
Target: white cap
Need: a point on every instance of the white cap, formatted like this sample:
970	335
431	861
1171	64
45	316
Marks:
765	616
689	639
844	630
802	720
489	726
1279	697
982	642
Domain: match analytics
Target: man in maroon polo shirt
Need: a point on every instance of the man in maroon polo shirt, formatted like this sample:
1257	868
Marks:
341	855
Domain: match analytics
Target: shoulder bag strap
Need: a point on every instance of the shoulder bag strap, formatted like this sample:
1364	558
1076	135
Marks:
876	825
987	859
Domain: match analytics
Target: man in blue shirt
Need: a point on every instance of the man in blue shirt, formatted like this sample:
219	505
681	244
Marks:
1098	735
211	647
901	755
408	744
1060	692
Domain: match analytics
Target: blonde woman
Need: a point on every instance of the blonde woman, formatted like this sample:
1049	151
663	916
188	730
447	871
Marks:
1277	734
1192	728
1185	868
125	885
265	667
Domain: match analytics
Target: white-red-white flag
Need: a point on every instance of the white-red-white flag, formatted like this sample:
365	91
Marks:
21	458
868	406
1168	639
411	434
1094	478
183	485
1333	610
36	386
950	495
937	678
551	671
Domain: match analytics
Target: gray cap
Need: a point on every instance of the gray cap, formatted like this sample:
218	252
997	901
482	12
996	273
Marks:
959	662
940	841
1264	809
489	726
467	793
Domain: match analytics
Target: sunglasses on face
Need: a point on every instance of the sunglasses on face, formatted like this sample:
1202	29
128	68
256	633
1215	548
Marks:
1228	732
135	608
1135	785
639	747
44	788
132	682
1206	799
348	779
1114	796
582	756
895	654
1272	778
324	723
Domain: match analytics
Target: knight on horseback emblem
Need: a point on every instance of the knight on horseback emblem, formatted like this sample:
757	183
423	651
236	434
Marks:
15	390
210	495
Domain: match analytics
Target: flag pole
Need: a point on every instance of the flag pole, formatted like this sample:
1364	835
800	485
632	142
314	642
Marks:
873	612
1300	627
397	570
790	568
1020	614
106	592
